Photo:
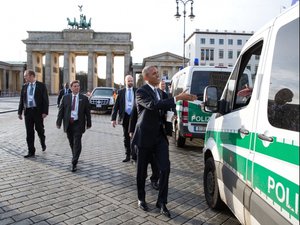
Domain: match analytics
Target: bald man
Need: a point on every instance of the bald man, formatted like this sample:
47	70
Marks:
122	109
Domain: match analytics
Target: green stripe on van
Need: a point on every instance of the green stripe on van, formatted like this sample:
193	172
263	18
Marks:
275	149
196	115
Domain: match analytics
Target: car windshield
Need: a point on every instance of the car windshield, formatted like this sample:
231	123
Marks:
201	79
103	92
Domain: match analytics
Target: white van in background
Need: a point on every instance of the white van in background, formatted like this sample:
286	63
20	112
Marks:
251	152
191	120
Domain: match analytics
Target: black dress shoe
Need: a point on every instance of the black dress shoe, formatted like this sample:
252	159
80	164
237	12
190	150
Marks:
143	205
163	209
44	148
74	168
127	159
154	185
29	156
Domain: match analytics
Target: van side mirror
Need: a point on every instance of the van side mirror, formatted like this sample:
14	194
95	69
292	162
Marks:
210	99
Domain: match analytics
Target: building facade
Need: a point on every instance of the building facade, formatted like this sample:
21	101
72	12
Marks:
167	64
217	48
11	78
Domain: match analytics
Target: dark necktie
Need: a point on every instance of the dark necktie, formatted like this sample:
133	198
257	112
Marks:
73	103
157	97
31	89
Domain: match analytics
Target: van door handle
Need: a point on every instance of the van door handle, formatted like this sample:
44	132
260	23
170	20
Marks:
265	138
244	131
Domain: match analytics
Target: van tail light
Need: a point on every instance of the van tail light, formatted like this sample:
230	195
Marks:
185	113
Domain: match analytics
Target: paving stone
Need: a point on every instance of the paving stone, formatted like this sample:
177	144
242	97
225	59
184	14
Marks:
57	219
103	190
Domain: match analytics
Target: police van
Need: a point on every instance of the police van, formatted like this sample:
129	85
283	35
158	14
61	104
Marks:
251	152
191	120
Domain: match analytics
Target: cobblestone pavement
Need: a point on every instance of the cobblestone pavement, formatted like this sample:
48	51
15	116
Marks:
103	190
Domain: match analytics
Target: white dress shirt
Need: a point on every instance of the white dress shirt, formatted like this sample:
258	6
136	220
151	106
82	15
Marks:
74	113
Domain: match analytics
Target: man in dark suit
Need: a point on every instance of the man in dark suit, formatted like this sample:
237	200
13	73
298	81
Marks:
64	91
151	138
155	171
34	102
74	111
123	109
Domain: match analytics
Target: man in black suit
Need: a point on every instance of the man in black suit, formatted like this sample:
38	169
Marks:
64	91
123	109
155	171
150	136
74	111
34	102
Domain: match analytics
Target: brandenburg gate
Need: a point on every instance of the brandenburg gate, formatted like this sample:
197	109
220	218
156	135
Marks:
70	43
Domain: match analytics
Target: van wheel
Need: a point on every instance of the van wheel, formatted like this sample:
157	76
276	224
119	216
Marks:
179	140
211	188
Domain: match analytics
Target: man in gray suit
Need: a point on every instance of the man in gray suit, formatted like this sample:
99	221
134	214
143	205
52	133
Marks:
74	111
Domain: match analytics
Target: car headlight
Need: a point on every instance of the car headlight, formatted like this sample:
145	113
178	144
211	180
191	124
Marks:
111	101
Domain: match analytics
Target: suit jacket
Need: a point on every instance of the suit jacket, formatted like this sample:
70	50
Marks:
61	94
84	114
119	107
151	116
40	97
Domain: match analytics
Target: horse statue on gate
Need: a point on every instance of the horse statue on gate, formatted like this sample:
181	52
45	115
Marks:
72	24
83	24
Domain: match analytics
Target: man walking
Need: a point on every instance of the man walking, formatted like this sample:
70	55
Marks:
34	102
64	91
74	111
150	136
123	109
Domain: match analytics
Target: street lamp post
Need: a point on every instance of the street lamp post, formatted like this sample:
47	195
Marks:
177	16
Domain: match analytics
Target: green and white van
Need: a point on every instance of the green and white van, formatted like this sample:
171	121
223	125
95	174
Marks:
191	120
251	151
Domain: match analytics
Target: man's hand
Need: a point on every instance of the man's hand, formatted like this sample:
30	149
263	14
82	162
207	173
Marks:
185	97
130	134
113	123
20	116
44	115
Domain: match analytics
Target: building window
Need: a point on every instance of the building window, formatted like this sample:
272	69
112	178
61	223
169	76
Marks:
221	41
211	57
230	65
249	67
202	54
230	41
230	54
212	41
221	54
202	41
238	53
239	42
206	54
257	57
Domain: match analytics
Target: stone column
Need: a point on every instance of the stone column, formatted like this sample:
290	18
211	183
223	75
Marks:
109	69
174	70
4	87
127	62
10	81
55	73
48	73
91	65
21	81
29	60
66	67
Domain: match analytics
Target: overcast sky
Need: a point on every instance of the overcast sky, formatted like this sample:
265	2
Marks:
152	23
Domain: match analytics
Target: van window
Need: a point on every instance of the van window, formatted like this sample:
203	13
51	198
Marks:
180	87
238	92
283	103
201	79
